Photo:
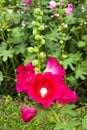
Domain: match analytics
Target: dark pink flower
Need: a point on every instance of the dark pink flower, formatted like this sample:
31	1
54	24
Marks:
27	114
46	88
24	77
54	67
69	9
52	5
27	2
67	96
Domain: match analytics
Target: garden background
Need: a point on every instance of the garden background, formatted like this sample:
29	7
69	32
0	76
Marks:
32	31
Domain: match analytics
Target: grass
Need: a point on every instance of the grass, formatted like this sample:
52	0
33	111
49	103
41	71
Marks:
10	118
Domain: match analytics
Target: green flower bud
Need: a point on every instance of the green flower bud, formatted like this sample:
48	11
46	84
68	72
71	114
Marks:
36	70
36	24
64	56
41	28
38	11
35	49
42	41
42	54
35	62
35	32
30	49
39	18
81	44
38	37
61	42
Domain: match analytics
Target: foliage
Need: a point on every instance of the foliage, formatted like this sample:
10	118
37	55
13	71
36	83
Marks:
10	116
27	36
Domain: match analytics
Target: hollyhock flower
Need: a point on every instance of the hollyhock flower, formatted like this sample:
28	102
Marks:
67	96
69	9
46	88
54	67
27	114
52	5
27	2
24	77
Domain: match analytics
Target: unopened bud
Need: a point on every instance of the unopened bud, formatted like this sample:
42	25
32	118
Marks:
30	49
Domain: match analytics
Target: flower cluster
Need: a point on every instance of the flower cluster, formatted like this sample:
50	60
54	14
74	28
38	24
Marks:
53	5
46	87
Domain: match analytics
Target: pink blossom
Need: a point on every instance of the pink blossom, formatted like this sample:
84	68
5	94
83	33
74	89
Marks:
69	9
27	2
27	114
24	77
56	15
52	5
54	67
67	96
46	88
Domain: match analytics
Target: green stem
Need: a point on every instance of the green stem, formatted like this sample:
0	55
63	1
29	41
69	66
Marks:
55	115
9	78
38	55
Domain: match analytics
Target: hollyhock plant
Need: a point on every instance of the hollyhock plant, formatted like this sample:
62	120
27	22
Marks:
54	67
52	5
69	9
27	114
67	96
46	88
24	77
27	2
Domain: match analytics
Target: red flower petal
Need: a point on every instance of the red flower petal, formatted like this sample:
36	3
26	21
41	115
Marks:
67	96
46	88
55	68
24	77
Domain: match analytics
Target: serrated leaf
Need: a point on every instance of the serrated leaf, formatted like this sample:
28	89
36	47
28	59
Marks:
80	72
71	60
53	36
4	53
67	109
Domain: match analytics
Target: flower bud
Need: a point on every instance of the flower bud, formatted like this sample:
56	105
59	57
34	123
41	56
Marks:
28	114
30	49
35	49
61	42
35	32
37	11
35	62
36	24
39	18
81	44
41	28
42	54
38	37
42	41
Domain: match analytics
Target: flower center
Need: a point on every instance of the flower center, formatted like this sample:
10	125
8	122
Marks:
43	92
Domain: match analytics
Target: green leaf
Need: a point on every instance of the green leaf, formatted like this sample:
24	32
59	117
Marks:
67	109
69	125
53	36
71	60
4	52
80	72
84	122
